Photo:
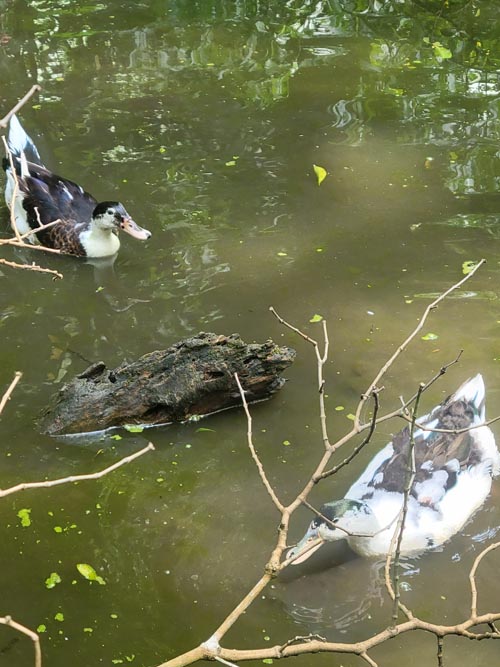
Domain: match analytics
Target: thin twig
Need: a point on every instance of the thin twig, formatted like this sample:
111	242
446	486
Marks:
253	451
401	348
472	577
17	376
225	662
358	448
303	638
321	360
410	477
8	620
31	267
440	656
23	486
367	659
34	89
30	246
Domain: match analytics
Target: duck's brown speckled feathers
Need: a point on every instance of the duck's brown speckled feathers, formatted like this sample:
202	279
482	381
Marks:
433	453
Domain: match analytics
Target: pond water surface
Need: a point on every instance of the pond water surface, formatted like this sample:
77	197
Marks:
205	119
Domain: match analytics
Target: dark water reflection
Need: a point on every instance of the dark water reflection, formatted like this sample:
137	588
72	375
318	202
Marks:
205	119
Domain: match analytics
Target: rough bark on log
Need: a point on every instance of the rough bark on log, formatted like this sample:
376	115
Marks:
193	377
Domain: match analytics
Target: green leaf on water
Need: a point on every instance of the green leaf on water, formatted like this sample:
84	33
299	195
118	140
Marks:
339	408
24	515
133	428
59	617
316	318
41	628
116	437
52	580
468	266
287	443
320	172
205	430
268	661
88	572
430	336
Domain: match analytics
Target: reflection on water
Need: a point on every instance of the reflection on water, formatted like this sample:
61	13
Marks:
206	118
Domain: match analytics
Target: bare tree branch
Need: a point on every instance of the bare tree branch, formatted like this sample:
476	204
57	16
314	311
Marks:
255	456
432	306
472	577
8	620
211	649
30	267
17	376
23	486
34	89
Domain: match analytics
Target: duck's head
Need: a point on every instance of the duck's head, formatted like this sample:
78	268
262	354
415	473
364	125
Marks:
112	216
342	518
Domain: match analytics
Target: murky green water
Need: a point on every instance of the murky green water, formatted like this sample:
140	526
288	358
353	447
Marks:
205	119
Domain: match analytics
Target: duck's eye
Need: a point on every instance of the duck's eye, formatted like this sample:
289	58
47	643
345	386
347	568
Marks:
110	211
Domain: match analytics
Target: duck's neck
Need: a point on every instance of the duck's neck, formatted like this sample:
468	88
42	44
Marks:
99	242
363	528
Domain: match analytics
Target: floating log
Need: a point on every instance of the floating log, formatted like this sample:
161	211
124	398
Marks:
194	377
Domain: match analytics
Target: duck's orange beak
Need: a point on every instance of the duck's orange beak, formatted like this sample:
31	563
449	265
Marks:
132	228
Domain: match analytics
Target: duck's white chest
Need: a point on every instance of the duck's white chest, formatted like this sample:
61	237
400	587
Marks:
99	243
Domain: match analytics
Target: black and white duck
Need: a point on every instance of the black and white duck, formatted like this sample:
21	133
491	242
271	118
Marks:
453	479
86	228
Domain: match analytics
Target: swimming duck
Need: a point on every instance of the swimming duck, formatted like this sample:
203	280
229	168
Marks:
86	229
453	478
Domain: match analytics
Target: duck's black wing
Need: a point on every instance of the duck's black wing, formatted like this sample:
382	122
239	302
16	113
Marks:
55	197
48	197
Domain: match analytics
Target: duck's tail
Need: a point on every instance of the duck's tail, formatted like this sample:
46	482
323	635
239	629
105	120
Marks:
20	144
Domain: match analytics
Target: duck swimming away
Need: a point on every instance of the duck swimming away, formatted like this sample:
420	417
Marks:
453	479
86	228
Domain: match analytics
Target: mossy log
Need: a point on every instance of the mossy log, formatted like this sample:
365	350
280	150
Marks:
194	377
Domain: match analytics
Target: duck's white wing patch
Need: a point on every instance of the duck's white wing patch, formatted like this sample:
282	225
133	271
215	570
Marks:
360	486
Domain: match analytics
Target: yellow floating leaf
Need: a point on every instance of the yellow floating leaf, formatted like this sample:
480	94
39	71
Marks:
320	172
